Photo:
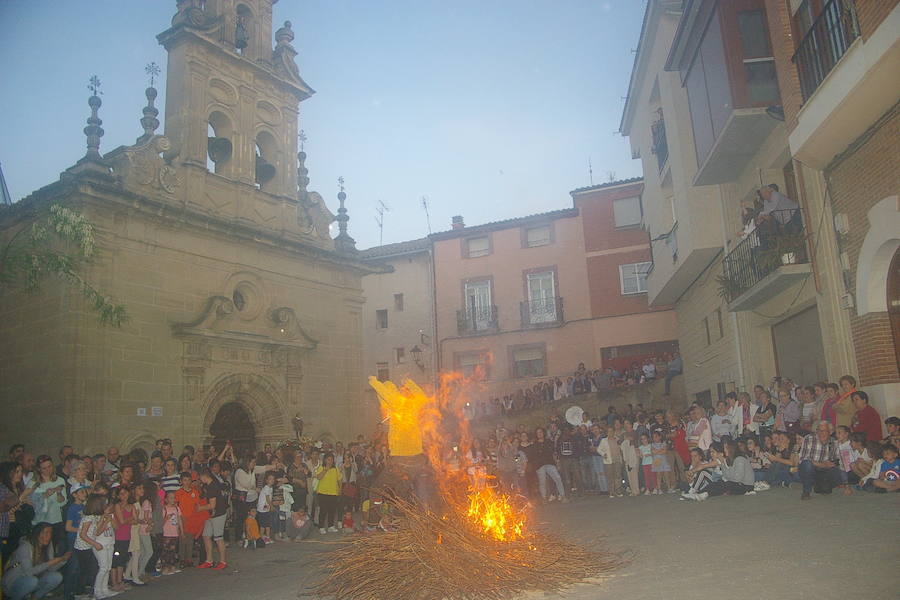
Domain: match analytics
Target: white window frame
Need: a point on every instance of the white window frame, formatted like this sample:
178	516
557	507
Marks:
640	290
640	215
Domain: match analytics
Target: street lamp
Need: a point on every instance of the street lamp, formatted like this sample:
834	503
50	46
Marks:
416	354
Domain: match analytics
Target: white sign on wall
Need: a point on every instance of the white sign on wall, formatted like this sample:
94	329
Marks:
156	411
142	412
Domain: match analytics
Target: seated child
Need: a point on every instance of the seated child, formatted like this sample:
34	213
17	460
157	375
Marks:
888	472
299	525
347	522
252	538
372	512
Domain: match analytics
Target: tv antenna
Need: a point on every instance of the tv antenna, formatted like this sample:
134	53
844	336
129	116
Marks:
381	209
427	216
591	170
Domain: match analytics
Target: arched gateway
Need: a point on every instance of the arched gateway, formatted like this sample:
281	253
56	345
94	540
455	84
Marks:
248	410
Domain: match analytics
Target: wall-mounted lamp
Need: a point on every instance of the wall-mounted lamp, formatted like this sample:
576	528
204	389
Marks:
416	354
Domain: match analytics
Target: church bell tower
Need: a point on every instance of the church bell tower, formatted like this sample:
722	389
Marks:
232	95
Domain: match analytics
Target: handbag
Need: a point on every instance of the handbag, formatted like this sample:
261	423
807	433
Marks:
239	496
349	490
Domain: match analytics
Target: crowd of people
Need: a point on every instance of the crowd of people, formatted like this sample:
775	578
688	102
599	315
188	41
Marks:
581	381
822	437
98	525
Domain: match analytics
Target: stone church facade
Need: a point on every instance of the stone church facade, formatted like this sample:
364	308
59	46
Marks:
243	311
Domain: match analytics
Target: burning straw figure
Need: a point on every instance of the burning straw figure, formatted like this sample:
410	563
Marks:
405	409
475	546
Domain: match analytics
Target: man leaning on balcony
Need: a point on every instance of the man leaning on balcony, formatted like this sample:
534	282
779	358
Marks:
776	206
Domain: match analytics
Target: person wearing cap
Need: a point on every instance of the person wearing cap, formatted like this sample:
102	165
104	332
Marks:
73	578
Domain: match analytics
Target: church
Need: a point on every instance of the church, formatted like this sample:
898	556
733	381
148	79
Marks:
243	311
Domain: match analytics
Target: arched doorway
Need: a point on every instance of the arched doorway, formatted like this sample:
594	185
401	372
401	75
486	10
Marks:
893	302
232	423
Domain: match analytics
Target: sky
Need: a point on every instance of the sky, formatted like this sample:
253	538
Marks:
490	109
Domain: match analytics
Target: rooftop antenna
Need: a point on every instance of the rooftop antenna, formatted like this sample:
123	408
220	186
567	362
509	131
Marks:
381	209
427	216
591	170
611	175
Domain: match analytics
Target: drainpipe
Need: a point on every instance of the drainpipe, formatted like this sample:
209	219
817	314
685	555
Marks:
734	321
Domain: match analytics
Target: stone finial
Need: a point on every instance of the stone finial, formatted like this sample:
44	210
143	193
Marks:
283	57
343	242
94	131
150	121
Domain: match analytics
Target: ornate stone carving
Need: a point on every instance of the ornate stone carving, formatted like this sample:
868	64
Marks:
143	166
316	216
284	54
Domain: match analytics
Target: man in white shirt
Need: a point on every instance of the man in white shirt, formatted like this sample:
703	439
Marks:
777	203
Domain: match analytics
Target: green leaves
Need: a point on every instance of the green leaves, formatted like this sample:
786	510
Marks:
55	247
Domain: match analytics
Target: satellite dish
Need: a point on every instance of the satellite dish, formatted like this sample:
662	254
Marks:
573	415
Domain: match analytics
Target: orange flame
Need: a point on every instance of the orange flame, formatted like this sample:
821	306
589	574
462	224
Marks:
416	424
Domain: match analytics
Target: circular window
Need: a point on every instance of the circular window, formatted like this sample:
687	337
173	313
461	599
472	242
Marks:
239	301
247	300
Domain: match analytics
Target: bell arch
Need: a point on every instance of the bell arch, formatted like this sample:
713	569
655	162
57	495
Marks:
220	143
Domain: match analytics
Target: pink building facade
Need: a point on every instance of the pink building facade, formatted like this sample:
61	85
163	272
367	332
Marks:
526	299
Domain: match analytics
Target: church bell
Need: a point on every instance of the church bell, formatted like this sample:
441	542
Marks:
265	170
219	149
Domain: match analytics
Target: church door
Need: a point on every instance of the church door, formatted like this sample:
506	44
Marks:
232	423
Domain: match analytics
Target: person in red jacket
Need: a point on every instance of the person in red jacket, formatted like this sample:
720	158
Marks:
866	419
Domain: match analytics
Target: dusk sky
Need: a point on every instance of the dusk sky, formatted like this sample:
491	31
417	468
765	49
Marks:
490	109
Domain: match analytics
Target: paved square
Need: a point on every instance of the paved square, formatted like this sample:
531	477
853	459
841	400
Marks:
743	548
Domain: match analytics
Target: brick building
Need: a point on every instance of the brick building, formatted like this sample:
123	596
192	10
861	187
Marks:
728	96
839	71
529	298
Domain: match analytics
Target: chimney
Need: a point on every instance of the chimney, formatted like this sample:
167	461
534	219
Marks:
458	222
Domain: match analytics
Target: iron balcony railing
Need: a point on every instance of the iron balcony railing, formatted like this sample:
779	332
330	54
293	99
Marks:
825	43
475	320
543	312
660	144
779	239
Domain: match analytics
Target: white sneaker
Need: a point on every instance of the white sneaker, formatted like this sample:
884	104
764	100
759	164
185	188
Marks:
322	530
761	486
750	493
702	496
646	492
333	529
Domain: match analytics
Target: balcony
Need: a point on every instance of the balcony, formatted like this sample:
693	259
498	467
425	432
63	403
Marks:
827	40
546	312
848	82
477	320
766	262
660	146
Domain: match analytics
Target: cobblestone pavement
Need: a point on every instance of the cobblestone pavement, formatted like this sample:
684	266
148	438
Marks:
767	545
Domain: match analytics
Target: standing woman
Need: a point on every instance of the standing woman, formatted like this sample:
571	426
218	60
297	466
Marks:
329	478
246	491
843	407
13	496
35	568
49	499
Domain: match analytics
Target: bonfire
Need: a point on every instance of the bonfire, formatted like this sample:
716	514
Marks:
477	543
